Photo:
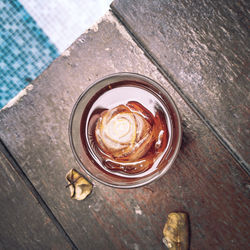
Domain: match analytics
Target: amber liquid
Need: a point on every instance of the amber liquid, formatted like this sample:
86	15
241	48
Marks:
110	97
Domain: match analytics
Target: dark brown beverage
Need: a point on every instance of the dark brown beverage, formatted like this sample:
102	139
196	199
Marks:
123	106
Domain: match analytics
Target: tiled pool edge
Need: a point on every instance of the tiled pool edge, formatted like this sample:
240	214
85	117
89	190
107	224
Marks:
26	51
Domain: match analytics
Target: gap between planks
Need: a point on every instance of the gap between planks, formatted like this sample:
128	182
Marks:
35	193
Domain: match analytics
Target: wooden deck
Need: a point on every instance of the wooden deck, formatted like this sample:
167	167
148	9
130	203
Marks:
199	52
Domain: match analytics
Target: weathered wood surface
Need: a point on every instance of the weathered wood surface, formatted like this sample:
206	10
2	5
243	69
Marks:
23	222
205	181
204	47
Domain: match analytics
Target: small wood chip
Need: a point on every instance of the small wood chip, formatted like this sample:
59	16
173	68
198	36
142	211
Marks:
79	187
176	232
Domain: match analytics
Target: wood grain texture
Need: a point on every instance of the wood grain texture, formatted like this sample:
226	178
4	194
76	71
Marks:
24	224
203	46
205	181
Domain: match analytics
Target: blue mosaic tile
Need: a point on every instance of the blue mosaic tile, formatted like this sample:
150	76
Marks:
25	50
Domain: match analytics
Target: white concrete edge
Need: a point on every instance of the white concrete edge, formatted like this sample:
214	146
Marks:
18	97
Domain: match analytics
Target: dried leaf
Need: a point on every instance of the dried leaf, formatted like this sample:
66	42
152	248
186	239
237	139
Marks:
79	187
176	231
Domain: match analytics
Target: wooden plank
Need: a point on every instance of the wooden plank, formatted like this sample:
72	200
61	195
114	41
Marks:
203	47
24	224
206	182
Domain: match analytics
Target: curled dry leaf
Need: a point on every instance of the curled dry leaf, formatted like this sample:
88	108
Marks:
176	231
79	187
